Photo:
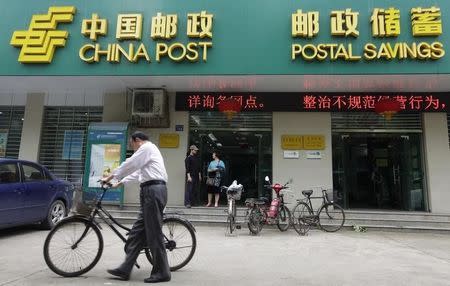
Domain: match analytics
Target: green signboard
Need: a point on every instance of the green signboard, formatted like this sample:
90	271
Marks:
106	149
251	37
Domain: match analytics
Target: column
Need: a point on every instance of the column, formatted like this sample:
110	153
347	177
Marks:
32	126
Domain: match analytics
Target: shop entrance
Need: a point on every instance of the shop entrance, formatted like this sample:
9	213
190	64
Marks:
381	171
245	145
378	164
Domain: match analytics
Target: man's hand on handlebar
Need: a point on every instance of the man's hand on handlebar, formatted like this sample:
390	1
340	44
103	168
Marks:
106	179
116	185
104	183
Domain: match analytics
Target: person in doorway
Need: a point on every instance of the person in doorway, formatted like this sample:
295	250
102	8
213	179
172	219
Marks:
378	184
193	175
216	170
147	166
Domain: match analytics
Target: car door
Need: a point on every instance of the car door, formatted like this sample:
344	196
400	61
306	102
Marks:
11	194
39	191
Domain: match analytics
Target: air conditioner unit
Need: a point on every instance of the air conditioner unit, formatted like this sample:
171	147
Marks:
149	103
149	108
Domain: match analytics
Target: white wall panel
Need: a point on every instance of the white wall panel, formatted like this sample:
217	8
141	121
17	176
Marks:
306	173
5	98
19	99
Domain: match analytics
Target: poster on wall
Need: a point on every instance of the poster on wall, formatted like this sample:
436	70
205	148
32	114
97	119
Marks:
104	159
73	144
3	141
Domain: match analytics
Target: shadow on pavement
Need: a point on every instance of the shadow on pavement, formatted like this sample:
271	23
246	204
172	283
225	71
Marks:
19	230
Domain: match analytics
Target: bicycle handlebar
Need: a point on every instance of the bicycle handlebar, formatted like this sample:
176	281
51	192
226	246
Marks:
103	184
285	186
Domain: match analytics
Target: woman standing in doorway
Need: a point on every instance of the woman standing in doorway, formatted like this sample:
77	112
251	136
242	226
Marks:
216	169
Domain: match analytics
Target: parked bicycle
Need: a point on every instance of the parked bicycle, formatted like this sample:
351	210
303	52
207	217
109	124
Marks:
233	193
261	212
330	217
75	244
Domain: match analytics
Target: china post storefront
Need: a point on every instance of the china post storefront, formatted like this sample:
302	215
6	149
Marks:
353	95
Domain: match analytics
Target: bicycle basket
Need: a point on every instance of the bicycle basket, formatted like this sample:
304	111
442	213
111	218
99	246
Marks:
328	195
83	203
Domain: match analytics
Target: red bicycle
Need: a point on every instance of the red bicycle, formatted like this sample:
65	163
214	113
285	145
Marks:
262	211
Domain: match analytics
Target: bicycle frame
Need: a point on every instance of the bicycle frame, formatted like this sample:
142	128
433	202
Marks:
104	215
308	201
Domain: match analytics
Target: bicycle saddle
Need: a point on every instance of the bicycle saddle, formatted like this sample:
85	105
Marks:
307	192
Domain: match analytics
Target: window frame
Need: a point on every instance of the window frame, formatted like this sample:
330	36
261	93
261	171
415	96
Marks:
41	170
18	173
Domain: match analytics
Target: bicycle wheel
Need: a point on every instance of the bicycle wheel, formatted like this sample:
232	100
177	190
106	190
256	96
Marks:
255	219
331	217
231	225
73	247
300	216
231	219
283	218
180	240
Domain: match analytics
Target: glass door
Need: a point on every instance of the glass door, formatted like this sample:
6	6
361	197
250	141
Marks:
378	171
245	145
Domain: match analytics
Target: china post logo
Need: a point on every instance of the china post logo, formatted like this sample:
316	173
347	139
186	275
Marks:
39	42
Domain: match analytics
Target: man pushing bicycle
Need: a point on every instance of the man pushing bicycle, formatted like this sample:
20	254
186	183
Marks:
147	166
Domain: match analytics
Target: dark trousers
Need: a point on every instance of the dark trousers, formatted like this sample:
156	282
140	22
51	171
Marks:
189	195
147	231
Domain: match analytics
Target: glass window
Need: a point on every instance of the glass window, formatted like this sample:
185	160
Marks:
11	122
63	139
8	173
32	173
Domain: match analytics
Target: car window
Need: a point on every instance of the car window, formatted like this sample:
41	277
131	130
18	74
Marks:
8	173
32	173
48	176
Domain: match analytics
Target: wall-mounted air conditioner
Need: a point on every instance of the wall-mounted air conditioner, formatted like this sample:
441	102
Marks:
149	108
149	102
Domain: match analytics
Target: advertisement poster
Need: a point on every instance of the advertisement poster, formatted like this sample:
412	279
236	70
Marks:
3	141
105	149
104	159
73	144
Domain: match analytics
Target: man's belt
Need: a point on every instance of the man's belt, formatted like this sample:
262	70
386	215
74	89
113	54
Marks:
153	182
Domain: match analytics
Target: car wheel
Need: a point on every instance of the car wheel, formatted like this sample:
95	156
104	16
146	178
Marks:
56	212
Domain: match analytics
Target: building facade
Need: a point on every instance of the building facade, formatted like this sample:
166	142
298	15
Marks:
307	77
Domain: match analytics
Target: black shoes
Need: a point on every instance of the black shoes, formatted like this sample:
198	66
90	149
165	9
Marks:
119	274
126	276
156	279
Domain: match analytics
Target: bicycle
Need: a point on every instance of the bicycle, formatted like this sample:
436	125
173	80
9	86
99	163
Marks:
330	217
233	192
260	212
74	246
